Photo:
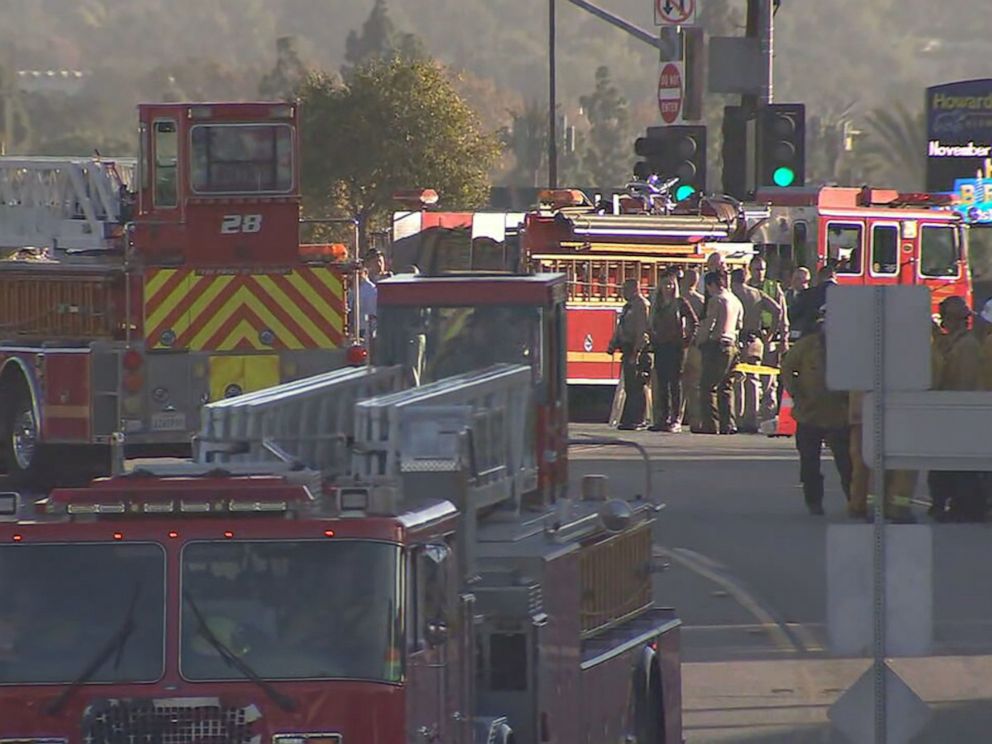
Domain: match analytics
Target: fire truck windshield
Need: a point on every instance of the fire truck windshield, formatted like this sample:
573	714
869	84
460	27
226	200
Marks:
242	158
940	250
293	609
439	342
62	602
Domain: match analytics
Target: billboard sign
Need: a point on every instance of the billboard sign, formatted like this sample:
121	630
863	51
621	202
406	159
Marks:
959	133
973	199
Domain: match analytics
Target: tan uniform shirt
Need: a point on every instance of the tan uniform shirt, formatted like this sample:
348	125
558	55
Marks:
724	318
631	332
756	303
774	290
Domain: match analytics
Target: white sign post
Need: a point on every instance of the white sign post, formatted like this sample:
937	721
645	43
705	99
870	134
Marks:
878	339
675	12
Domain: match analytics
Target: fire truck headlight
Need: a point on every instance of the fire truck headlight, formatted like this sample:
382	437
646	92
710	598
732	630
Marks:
266	337
168	337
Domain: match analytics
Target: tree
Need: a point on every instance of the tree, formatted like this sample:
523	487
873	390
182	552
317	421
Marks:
527	140
379	40
281	82
608	152
895	147
395	125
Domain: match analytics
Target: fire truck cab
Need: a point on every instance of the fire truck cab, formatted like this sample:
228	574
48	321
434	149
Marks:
872	236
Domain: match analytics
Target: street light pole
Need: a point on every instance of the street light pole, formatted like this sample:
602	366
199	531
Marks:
552	103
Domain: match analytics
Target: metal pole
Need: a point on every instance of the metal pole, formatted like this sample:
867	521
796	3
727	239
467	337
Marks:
768	51
878	553
552	103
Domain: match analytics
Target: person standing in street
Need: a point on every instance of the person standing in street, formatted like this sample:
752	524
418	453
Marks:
809	305
718	338
821	415
693	362
956	495
775	335
673	326
630	338
899	484
799	284
747	388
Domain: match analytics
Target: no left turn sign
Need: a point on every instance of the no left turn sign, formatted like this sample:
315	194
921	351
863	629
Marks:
674	12
670	92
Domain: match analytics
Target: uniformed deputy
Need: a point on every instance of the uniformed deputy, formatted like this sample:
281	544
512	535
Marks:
693	362
821	415
631	338
754	340
717	338
775	334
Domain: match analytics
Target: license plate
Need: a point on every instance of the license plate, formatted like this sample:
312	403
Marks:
170	421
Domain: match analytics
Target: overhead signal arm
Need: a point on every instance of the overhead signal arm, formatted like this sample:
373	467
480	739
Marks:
616	21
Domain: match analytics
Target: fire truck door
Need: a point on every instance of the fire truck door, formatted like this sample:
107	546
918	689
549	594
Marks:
234	375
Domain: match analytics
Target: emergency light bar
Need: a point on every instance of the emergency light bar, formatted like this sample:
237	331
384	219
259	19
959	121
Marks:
168	496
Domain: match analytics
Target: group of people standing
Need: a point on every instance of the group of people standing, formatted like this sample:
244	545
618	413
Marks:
961	360
694	341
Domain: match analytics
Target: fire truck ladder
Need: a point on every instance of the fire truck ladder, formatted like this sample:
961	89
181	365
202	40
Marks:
365	425
69	204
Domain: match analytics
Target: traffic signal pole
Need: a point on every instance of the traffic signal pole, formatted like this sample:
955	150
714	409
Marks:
761	26
552	102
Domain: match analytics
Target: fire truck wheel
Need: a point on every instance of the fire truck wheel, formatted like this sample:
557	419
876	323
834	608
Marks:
30	464
649	709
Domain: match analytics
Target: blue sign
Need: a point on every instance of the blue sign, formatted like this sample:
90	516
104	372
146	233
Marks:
973	199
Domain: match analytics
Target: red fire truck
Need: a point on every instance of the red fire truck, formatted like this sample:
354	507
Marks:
350	559
131	292
595	251
873	236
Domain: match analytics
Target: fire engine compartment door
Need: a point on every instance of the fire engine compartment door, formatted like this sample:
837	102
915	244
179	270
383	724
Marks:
234	375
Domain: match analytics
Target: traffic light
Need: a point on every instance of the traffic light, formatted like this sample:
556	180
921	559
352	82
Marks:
674	152
736	181
781	145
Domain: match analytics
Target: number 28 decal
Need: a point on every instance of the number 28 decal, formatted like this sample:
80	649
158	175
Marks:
241	223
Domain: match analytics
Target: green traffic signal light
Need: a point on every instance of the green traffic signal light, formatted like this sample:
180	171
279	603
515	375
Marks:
684	192
784	176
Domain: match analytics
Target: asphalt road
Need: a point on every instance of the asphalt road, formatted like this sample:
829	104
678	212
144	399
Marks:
747	573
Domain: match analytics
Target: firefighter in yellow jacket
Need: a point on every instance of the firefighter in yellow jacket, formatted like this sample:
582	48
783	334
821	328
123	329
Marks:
821	415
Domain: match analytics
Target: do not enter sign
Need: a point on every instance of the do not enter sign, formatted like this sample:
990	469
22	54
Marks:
670	92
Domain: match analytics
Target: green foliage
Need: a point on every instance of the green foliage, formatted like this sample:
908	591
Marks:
894	147
379	40
608	152
281	82
395	125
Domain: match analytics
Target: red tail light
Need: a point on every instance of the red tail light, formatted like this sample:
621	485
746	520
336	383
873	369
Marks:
132	360
356	355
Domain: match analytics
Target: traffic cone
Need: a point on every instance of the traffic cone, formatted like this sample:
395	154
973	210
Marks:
782	425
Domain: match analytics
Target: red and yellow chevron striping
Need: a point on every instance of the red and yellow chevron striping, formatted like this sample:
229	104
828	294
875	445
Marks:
299	309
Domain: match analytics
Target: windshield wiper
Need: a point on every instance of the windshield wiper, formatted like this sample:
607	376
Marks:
283	701
115	644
